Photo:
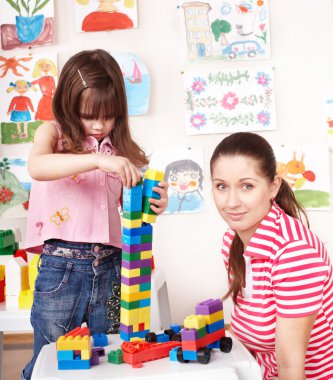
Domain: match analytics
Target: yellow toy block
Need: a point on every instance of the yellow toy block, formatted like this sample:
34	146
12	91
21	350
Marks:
85	354
2	272
130	289
148	218
130	273
212	318
25	278
155	175
146	255
135	296
26	298
73	343
195	322
129	317
136	223
33	271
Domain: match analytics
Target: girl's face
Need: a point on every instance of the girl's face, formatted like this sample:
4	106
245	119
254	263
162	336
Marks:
98	128
184	181
45	67
241	194
22	88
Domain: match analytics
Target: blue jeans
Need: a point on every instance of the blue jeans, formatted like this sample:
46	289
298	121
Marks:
76	283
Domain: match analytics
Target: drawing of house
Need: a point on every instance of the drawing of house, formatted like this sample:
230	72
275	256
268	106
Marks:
198	34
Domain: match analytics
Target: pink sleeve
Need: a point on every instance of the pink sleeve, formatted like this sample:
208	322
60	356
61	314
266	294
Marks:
298	278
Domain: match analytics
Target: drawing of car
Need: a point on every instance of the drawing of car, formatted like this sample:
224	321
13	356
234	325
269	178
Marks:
247	47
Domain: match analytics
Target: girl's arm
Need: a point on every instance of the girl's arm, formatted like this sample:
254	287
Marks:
291	342
45	165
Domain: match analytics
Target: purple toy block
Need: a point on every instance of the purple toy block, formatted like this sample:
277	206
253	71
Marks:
100	351
136	264
94	360
126	329
137	247
135	280
208	307
189	334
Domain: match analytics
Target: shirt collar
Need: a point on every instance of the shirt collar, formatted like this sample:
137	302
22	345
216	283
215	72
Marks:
262	241
105	146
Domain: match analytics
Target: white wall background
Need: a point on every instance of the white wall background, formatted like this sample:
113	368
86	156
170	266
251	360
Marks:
187	246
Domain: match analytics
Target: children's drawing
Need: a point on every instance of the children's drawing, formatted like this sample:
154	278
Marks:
225	101
183	172
306	170
137	82
14	187
27	86
328	119
26	23
92	16
225	30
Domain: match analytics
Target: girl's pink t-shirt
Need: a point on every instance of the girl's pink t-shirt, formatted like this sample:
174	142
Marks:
80	208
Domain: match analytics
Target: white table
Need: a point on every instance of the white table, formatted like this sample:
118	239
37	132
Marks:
236	365
12	319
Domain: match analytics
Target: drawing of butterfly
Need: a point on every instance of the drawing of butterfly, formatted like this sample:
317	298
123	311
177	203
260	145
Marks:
60	216
78	178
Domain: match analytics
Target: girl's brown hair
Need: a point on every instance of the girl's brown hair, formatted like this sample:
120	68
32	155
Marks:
92	80
256	147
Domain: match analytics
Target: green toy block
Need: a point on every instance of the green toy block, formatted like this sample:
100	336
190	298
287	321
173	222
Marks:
115	356
10	250
130	305
7	238
132	215
145	286
145	271
146	238
146	207
131	256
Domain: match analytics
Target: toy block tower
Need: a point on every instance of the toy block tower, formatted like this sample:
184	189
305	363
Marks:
74	349
137	257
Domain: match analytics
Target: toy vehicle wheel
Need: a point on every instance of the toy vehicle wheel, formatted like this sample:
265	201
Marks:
180	358
177	337
170	333
232	55
225	344
203	355
151	337
252	54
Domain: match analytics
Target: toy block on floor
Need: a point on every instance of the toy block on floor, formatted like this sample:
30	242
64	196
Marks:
115	356
100	340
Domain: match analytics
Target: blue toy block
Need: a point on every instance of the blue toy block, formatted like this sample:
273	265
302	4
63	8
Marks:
162	338
138	334
145	286
214	344
73	364
130	240
144	303
175	327
100	340
190	355
145	229
133	190
132	203
173	354
148	185
215	326
65	355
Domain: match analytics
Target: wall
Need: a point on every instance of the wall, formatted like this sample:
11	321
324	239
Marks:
188	246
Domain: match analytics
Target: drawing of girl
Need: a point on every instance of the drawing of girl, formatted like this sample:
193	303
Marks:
20	105
185	179
42	70
107	16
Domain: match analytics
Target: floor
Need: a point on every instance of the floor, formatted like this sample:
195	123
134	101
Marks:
17	352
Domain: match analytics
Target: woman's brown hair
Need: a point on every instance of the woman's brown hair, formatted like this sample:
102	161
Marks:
256	147
92	80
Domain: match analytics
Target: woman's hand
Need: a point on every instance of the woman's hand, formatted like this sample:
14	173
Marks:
159	205
127	171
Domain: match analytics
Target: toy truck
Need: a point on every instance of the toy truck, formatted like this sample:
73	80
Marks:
202	332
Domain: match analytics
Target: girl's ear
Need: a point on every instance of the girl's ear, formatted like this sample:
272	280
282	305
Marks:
276	184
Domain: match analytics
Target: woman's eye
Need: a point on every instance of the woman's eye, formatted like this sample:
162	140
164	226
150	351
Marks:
247	186
220	186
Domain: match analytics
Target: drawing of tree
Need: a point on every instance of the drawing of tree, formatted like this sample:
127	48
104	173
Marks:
219	29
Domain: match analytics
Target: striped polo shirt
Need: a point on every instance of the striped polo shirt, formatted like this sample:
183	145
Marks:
288	274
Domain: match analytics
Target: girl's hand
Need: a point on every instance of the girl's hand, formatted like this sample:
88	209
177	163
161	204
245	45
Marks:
159	205
127	172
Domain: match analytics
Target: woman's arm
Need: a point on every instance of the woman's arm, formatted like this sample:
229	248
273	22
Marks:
291	342
45	165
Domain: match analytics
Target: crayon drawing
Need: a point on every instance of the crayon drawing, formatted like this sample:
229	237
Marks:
15	185
105	15
306	170
27	86
137	82
26	24
226	101
225	30
184	173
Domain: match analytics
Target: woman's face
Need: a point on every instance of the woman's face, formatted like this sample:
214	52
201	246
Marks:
241	194
185	181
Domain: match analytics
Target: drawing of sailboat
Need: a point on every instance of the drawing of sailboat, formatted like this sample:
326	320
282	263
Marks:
136	75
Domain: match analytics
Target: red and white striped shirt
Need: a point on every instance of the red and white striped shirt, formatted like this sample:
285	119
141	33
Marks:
290	275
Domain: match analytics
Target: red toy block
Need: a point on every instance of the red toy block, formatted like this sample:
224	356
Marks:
203	342
135	353
81	331
21	253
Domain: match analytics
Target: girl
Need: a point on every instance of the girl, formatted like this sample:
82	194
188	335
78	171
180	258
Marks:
280	275
42	70
80	163
20	106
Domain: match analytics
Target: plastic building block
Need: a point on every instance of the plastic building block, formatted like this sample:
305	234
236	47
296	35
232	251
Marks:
154	175
78	331
115	356
7	238
73	364
25	299
73	343
21	253
100	340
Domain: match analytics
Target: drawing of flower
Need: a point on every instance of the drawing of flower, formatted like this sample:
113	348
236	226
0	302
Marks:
229	101
263	35
198	85
264	118
198	120
263	79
